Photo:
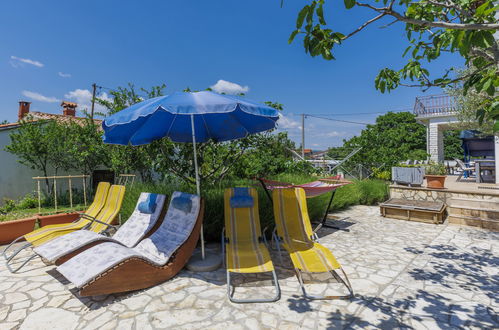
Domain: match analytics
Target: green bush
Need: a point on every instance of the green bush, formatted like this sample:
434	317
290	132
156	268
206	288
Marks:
367	192
27	202
8	206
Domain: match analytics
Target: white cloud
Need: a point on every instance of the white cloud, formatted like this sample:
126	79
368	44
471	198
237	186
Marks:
227	87
39	97
19	61
334	133
287	123
64	75
83	97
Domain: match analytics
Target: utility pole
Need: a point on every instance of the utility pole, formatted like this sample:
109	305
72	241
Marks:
303	135
94	86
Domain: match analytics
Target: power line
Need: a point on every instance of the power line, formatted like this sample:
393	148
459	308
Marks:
343	121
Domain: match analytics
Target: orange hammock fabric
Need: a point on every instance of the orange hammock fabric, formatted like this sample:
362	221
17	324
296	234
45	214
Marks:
312	189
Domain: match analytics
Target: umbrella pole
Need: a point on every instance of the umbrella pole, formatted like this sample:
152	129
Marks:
198	189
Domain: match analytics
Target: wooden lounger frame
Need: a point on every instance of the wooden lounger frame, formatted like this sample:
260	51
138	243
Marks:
137	273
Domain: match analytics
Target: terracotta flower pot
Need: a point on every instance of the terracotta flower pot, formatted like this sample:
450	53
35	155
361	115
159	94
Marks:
435	181
55	219
10	230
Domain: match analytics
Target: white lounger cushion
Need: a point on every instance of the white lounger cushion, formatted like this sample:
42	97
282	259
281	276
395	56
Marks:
157	249
129	234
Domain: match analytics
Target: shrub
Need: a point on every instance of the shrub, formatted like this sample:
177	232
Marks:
27	202
8	206
360	192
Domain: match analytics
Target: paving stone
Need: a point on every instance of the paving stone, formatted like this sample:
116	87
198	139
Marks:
16	315
137	302
405	275
50	318
126	324
99	321
11	298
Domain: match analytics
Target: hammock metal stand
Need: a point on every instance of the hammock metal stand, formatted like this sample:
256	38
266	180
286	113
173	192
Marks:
335	179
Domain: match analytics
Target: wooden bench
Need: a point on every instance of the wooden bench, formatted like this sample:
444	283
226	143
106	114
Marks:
422	211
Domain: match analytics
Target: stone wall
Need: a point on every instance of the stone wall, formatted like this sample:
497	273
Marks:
422	194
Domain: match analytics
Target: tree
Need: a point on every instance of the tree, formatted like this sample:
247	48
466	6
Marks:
127	159
432	27
393	138
86	150
41	146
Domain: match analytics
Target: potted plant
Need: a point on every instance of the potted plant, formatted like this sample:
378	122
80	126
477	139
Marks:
435	174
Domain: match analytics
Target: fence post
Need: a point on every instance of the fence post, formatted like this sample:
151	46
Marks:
84	190
55	194
39	197
70	193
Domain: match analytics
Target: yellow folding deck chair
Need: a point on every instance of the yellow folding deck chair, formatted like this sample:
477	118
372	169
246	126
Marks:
101	215
243	244
295	234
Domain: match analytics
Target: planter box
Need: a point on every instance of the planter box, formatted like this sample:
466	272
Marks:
56	219
10	230
422	211
412	176
435	181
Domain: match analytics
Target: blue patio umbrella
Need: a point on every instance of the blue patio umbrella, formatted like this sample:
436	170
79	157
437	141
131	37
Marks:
189	117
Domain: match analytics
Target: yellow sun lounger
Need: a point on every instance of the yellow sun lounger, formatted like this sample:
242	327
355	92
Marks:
295	234
243	244
96	221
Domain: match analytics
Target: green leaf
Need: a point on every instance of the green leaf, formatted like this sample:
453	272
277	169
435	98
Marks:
292	36
496	126
481	9
349	4
320	15
301	17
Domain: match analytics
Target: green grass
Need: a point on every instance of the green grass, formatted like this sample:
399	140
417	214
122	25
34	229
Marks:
368	192
27	213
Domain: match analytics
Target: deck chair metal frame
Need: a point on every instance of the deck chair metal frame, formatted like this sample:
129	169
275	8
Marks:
231	288
91	220
9	258
298	273
277	240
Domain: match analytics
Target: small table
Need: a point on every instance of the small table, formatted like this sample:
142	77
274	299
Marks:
482	165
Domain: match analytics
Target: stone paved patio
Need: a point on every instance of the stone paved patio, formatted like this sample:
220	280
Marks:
405	275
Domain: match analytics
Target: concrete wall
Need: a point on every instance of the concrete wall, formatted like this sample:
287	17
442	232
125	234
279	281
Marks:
16	179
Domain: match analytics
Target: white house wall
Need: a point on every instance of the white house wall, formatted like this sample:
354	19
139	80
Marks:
16	179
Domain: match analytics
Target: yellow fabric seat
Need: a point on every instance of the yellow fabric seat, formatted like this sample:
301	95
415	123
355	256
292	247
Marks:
47	233
295	234
311	257
248	257
245	251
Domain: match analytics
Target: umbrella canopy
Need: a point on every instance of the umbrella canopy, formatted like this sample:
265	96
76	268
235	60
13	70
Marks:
189	117
216	117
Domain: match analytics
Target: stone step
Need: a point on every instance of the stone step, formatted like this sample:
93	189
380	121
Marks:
476	204
474	212
473	221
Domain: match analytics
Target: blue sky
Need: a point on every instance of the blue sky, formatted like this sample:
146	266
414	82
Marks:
55	50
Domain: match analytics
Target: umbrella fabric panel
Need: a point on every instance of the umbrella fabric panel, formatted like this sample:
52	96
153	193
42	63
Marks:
219	127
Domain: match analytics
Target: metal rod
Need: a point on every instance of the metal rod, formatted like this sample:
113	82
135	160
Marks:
39	197
55	194
84	191
198	189
70	193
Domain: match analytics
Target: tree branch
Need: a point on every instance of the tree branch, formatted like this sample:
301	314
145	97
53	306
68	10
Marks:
360	28
439	24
